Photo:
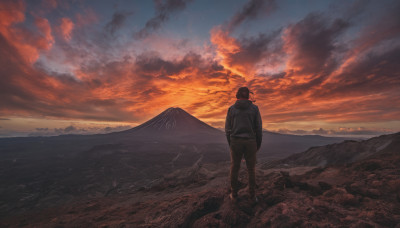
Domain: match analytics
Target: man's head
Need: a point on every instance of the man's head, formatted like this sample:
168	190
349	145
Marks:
243	93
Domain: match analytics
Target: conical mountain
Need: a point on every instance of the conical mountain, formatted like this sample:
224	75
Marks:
174	122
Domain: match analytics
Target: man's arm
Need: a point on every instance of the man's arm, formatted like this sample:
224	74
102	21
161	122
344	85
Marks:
258	129
228	126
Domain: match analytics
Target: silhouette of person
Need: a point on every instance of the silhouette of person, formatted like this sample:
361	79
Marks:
243	128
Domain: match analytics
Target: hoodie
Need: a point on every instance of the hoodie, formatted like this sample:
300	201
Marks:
243	120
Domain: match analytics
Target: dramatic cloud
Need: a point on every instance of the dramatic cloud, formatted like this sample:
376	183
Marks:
310	44
66	27
250	56
251	10
45	29
314	74
27	42
117	21
164	9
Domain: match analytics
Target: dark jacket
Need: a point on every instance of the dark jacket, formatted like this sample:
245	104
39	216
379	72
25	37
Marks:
243	120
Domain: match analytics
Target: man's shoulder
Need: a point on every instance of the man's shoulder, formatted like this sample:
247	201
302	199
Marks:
254	106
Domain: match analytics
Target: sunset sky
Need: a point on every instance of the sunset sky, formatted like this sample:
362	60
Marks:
315	67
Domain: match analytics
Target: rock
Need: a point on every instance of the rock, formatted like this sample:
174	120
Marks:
370	165
283	181
373	193
356	188
318	203
363	224
285	221
234	217
394	185
324	186
274	197
207	221
376	183
334	191
346	199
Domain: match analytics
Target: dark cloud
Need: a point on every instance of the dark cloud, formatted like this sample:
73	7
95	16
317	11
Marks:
68	130
354	8
164	9
117	21
385	27
373	74
42	129
262	48
355	132
320	131
152	63
251	10
294	132
311	43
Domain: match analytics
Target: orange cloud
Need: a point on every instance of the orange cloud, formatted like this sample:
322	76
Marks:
66	28
26	42
45	28
226	46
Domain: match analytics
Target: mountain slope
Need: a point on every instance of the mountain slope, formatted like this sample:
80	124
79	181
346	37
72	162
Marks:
173	125
339	153
173	121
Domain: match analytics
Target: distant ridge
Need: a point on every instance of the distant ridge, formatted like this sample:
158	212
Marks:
339	153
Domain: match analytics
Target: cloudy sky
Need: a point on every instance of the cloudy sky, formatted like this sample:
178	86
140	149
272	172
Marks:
319	67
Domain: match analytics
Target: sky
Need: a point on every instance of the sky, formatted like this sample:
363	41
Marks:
314	67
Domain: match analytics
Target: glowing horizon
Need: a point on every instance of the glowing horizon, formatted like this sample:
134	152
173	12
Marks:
315	67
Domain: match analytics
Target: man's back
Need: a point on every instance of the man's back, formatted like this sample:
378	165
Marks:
244	121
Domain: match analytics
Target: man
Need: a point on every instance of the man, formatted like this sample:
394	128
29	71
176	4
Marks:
243	128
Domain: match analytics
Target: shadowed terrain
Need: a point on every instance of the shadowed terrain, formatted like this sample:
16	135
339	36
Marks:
363	193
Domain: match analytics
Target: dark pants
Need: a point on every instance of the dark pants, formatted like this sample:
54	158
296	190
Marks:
247	148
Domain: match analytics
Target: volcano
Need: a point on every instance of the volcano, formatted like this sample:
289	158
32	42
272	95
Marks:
174	122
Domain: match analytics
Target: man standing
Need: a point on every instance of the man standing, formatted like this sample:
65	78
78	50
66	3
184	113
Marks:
243	128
